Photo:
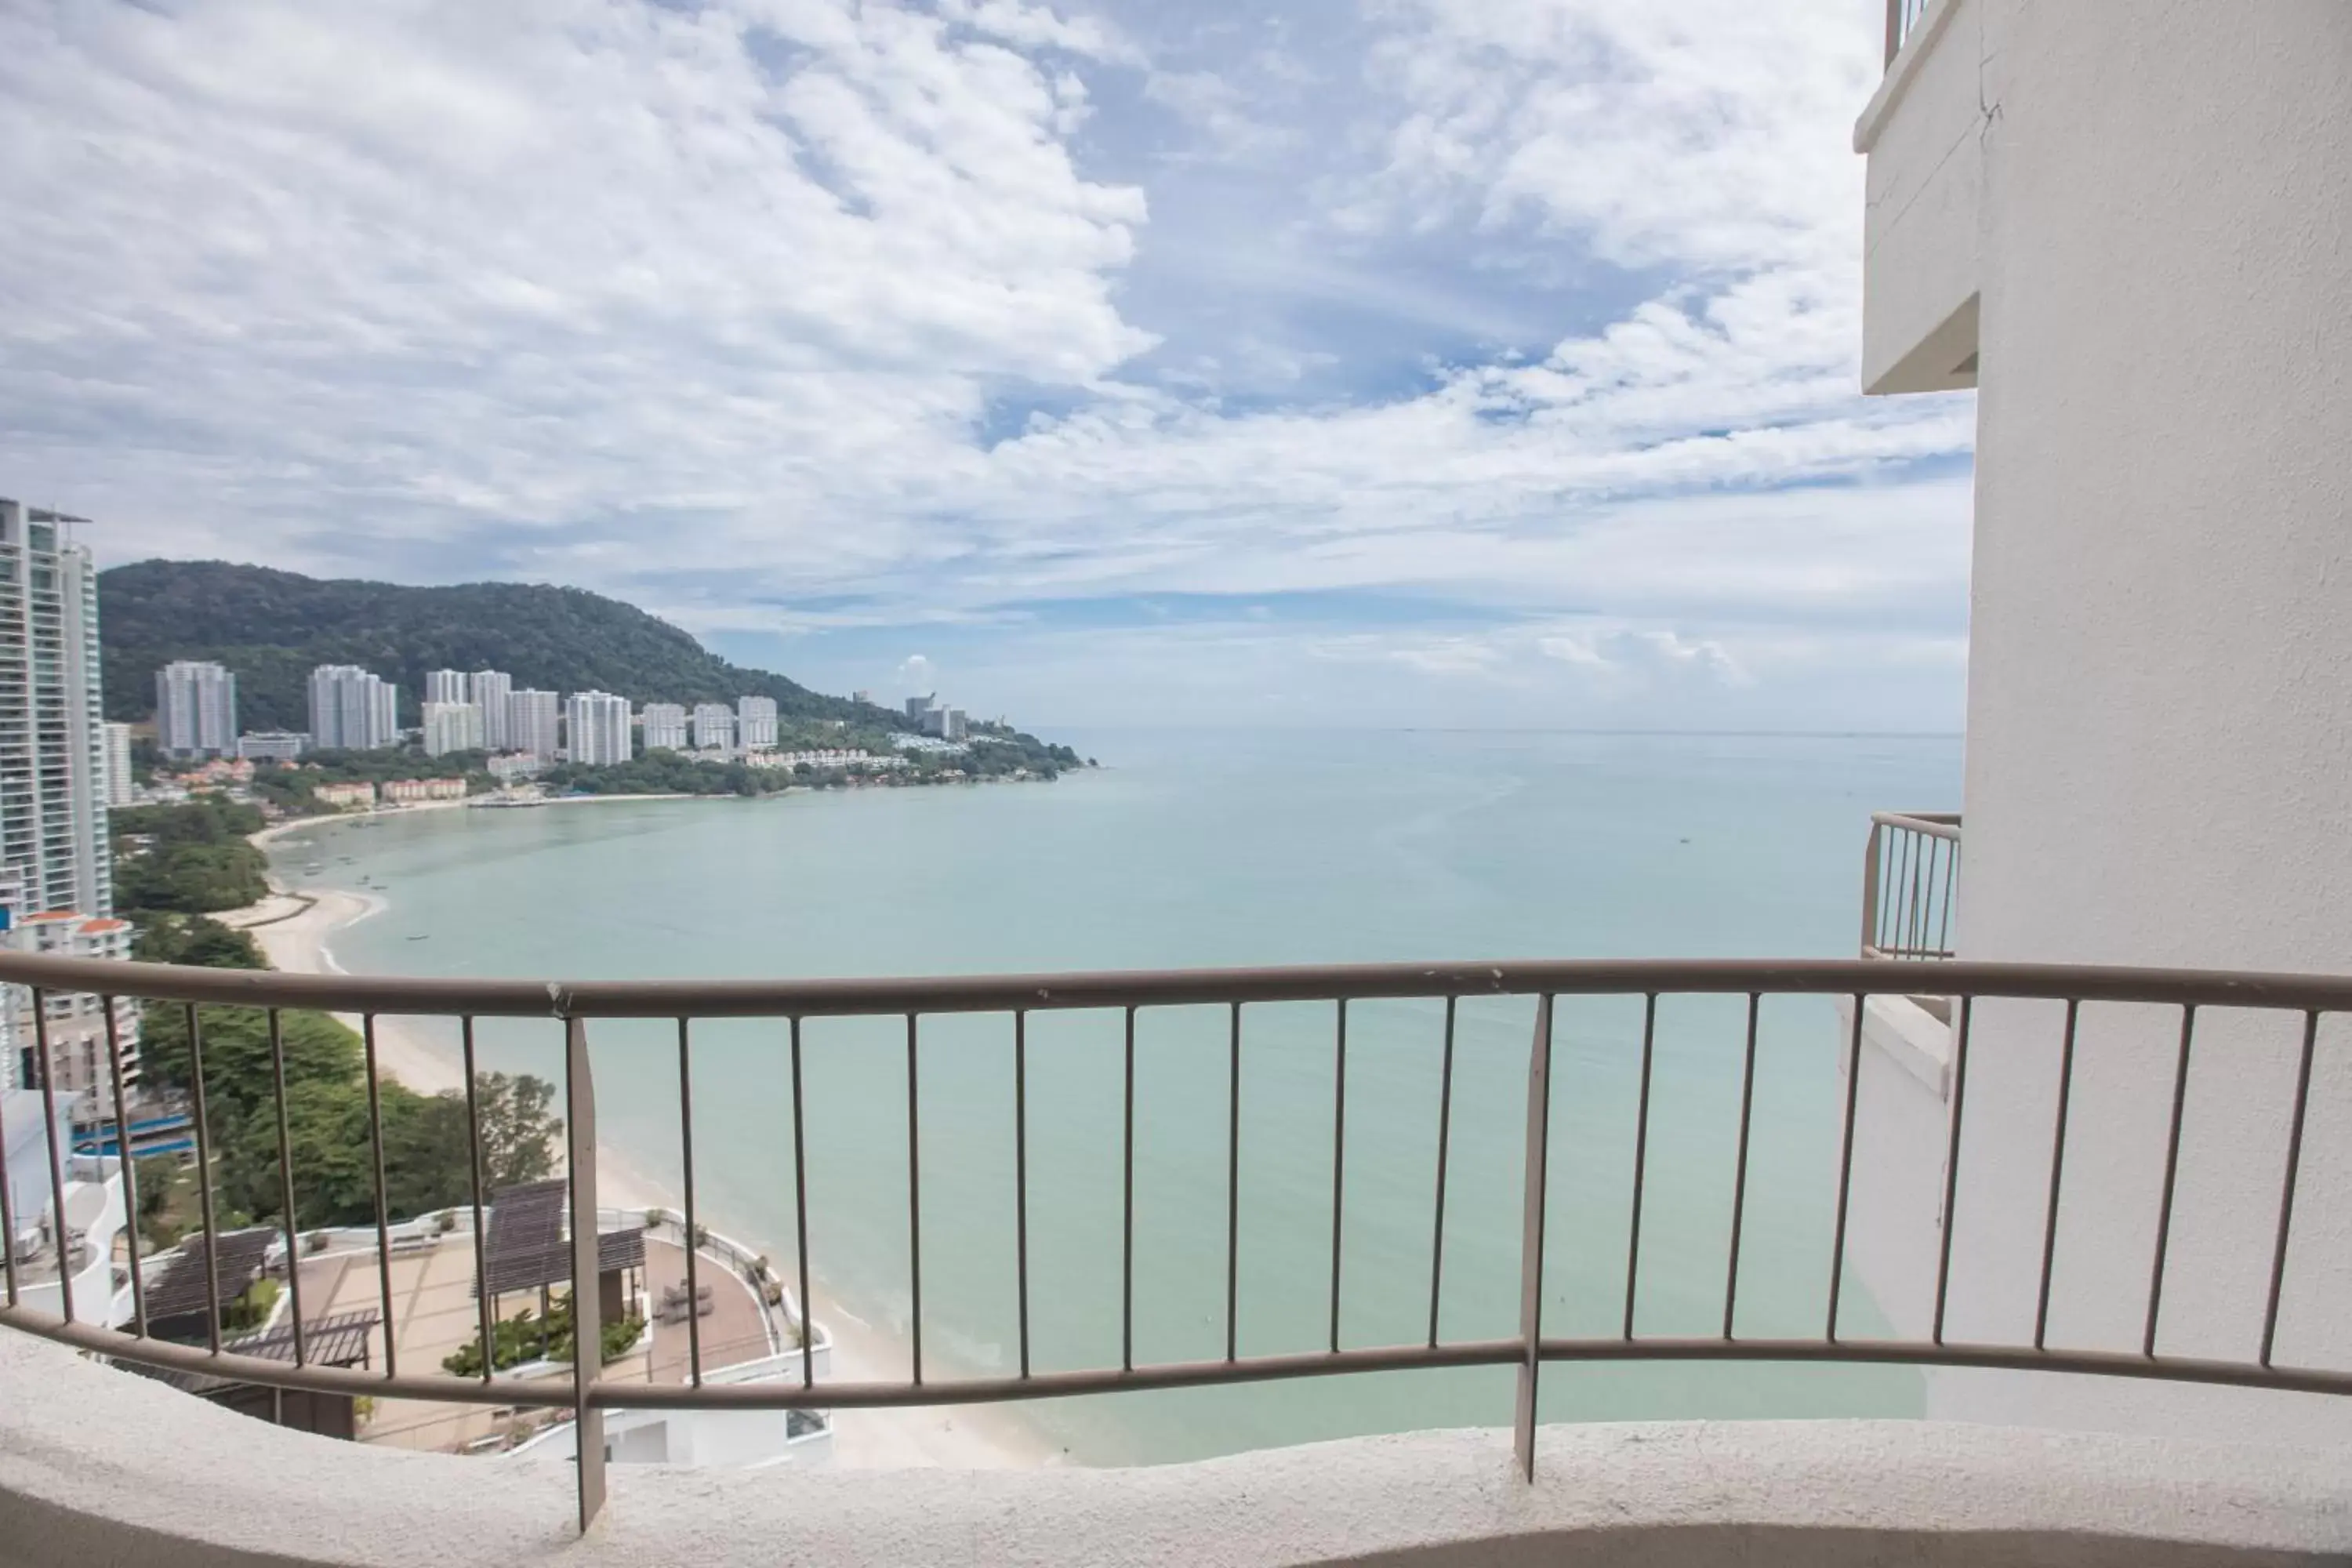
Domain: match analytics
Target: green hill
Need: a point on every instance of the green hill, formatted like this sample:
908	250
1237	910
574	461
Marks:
270	628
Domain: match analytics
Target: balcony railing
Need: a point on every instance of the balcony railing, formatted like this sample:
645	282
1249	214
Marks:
1909	874
579	1008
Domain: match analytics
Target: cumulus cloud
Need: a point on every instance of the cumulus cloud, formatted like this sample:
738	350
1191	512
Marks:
817	313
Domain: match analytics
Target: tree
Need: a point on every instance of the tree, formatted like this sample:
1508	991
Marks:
187	858
519	1129
237	1074
194	940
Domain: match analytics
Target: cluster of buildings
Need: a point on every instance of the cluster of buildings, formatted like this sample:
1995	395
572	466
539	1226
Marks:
353	708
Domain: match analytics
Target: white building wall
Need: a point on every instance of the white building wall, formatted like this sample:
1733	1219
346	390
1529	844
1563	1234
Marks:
664	726
532	718
755	723
53	785
596	728
353	709
714	724
117	764
2161	674
489	689
195	710
445	686
452	727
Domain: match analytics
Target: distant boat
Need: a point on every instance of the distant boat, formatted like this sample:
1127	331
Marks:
313	869
421	936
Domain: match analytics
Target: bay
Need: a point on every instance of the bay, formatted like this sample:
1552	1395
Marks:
1212	848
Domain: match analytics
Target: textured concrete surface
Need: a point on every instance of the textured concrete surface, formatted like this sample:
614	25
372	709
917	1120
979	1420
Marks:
99	1467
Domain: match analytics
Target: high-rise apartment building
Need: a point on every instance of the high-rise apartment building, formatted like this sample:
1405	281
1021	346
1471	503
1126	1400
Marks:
54	783
52	731
596	728
352	709
445	686
531	717
714	726
755	723
117	764
195	710
664	726
489	689
452	727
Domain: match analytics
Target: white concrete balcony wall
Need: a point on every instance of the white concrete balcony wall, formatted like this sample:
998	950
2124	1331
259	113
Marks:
93	1207
2159	747
98	1466
1923	207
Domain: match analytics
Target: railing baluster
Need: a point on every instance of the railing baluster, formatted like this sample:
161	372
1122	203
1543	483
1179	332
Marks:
8	1208
1906	889
286	1181
1952	1164
48	1068
587	1309
382	1204
1128	1209
1845	1166
693	1225
481	1228
1640	1159
1339	1156
1232	1178
1537	1160
123	1163
914	1202
1739	1167
1922	867
800	1214
2286	1184
1020	1173
1445	1129
1951	881
2057	1172
204	1180
2171	1175
1871	856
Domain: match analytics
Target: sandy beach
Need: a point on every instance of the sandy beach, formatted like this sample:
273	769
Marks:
293	934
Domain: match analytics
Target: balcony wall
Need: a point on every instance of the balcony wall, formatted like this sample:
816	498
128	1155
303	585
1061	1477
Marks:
1924	198
97	1466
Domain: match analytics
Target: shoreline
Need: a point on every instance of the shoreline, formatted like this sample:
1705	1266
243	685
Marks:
947	1436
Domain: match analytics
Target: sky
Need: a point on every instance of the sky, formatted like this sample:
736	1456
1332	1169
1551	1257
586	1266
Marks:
1332	362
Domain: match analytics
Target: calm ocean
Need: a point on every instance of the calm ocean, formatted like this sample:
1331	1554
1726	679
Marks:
1229	848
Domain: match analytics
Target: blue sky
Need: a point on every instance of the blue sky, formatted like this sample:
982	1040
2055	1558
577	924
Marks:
1364	362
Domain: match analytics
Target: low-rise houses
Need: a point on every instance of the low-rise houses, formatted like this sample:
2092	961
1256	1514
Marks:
409	792
272	746
848	760
356	795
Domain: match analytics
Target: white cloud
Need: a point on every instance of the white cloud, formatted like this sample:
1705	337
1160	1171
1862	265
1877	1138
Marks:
764	302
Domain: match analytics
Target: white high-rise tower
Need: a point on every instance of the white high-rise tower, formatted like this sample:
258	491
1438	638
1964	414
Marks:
195	710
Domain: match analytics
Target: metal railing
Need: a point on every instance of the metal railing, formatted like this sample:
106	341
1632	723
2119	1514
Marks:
1909	874
1901	17
1124	995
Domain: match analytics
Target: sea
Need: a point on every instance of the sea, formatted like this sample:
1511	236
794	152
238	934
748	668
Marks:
1217	848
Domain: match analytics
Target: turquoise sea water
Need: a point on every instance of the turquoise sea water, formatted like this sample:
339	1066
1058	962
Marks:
1245	848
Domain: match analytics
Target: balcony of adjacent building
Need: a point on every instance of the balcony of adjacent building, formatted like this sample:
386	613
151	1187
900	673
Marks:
1666	1128
1924	195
